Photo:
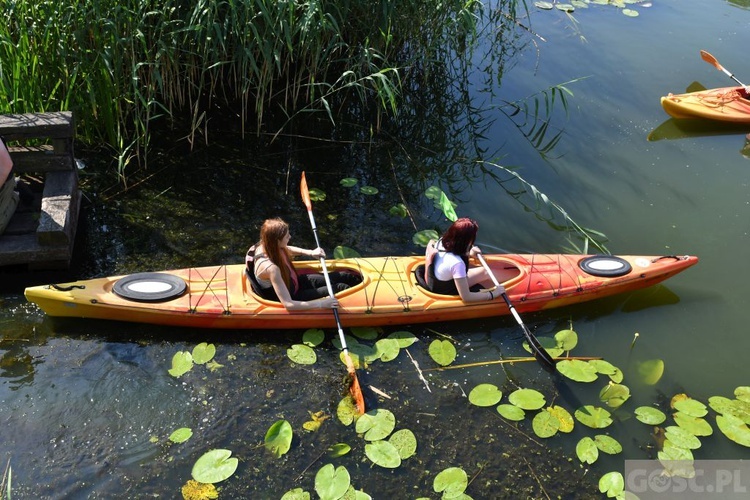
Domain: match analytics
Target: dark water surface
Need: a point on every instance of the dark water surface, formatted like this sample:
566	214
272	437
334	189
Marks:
86	407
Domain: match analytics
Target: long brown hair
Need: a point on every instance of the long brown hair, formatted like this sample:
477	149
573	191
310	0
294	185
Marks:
271	233
459	238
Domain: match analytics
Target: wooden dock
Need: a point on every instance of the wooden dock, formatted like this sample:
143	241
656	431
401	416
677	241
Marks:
42	231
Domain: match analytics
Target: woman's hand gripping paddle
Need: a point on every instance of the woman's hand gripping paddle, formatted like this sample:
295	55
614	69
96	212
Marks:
354	389
715	63
541	355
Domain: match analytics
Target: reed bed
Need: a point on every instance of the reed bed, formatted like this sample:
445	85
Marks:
120	65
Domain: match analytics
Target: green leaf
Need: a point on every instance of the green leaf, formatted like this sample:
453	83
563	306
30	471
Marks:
376	424
577	370
442	352
331	483
566	339
346	410
612	483
338	450
607	444
433	193
682	438
368	190
691	407
296	494
313	337
563	416
387	349
399	210
694	425
203	353
630	12
527	399
485	395
544	5
365	332
405	442
302	354
594	417
317	195
651	371
182	362
447	207
649	415
603	367
279	438
451	482
587	451
614	395
734	428
181	435
348	182
404	338
422	238
545	424
742	393
511	412
383	453
734	407
342	252
214	466
671	452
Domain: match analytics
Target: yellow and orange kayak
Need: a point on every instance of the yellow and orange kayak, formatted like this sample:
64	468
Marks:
727	104
222	296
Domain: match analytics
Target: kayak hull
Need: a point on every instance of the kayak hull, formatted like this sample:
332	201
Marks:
222	296
726	104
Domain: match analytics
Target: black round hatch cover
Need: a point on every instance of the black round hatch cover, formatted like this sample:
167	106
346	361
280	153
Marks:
605	265
150	287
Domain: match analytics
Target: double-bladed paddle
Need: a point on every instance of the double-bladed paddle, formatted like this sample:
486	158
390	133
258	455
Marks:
354	389
715	63
541	355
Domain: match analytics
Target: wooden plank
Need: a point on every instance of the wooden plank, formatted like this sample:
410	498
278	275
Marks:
40	161
37	125
24	249
58	217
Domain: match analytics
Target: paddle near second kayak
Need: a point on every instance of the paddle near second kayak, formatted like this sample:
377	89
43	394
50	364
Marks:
390	292
727	104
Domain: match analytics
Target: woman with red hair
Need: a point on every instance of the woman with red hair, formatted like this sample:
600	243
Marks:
447	268
270	262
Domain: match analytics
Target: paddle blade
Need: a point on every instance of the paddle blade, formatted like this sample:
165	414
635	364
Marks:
305	192
711	60
356	391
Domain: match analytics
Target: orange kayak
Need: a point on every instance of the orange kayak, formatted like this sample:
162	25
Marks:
222	296
728	104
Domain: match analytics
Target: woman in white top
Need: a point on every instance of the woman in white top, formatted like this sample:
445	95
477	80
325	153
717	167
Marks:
447	264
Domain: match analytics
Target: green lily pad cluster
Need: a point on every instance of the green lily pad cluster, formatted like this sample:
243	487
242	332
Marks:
584	4
384	447
202	354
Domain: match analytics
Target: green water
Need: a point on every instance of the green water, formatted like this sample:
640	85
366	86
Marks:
87	407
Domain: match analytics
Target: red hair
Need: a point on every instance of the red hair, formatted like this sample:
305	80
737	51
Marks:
271	233
459	238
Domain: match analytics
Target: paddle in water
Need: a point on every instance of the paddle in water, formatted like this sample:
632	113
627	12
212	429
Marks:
541	355
354	389
715	63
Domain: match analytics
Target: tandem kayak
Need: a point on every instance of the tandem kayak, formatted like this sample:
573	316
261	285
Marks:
390	293
727	104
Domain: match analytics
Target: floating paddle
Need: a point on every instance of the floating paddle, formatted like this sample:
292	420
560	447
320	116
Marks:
541	355
354	389
714	62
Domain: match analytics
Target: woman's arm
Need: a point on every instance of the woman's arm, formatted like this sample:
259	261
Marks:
6	163
316	252
462	285
282	292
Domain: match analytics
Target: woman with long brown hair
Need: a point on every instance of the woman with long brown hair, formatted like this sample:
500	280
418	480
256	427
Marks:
277	279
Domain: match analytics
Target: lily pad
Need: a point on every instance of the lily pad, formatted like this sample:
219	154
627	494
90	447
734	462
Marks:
317	194
348	182
672	452
563	416
302	354
203	353
649	415
278	438
342	252
691	407
694	425
346	410
404	338
182	362
604	367
651	371
365	332
630	12
181	435
742	393
376	424
214	466
614	395
451	482
544	5
527	399
422	238
612	484
338	450
565	7
296	494
368	190
594	417
384	454
682	438
587	451
511	412
734	428
734	407
545	424
388	349
442	352
405	442
485	395
399	210
313	337
566	339
607	444
577	370
331	483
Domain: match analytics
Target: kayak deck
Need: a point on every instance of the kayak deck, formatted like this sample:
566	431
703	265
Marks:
728	104
222	297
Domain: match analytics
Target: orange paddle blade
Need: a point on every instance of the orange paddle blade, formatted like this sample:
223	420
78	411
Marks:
305	192
356	391
711	60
